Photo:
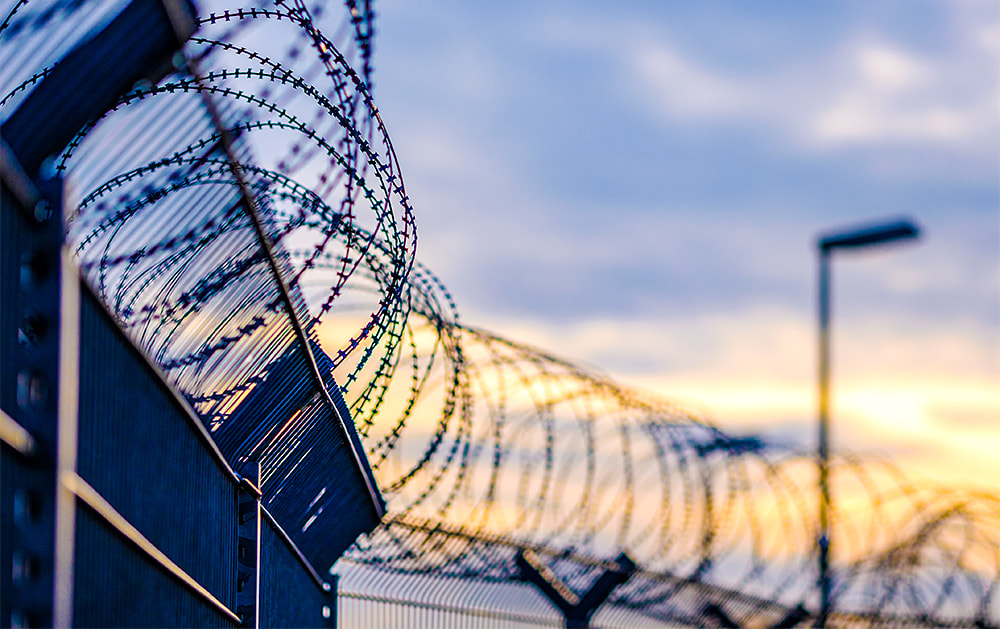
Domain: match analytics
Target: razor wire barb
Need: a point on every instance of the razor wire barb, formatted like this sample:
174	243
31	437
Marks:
483	446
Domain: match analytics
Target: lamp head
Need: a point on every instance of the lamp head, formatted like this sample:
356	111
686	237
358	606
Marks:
869	235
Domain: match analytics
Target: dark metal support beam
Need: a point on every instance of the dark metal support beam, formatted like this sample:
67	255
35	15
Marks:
138	44
793	619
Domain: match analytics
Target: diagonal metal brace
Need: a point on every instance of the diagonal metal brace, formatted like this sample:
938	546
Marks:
576	610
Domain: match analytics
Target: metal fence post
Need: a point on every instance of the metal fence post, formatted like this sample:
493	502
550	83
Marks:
330	608
248	551
30	395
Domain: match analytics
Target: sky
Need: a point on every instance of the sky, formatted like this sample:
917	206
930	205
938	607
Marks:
639	186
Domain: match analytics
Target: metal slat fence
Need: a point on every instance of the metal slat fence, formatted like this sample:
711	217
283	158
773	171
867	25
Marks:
119	586
291	593
144	451
374	597
141	449
357	609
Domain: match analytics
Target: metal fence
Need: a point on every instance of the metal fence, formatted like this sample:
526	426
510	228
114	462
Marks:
117	508
358	609
370	597
158	532
376	597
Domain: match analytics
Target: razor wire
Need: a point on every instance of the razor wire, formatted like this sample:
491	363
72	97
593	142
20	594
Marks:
483	446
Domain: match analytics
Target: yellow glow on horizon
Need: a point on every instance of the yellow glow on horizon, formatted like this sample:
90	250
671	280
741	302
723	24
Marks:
941	428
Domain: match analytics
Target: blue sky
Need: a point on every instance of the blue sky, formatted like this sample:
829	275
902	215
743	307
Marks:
639	186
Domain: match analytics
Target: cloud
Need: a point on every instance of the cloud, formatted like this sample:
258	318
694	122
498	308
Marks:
905	386
863	88
642	192
890	94
680	88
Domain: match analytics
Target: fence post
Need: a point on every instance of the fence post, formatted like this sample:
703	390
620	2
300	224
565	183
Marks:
330	609
248	550
32	509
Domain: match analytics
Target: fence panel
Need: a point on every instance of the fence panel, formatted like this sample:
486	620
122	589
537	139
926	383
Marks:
140	450
289	595
119	586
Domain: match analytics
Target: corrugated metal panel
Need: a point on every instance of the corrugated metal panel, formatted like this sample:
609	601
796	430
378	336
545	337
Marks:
117	586
295	436
143	453
289	597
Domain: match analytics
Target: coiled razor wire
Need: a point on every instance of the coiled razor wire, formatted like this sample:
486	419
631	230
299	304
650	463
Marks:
482	446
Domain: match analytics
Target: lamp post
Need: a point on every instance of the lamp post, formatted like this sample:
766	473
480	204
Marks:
854	238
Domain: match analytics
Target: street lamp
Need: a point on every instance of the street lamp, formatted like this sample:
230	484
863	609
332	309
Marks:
854	238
